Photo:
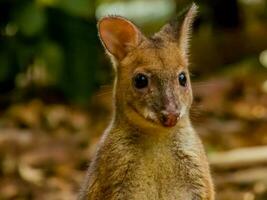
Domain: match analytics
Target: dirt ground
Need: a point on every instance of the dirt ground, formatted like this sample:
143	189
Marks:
46	148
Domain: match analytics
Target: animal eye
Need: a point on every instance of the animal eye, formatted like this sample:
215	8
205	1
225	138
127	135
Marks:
182	79
140	81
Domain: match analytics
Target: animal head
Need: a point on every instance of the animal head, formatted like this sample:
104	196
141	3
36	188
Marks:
152	79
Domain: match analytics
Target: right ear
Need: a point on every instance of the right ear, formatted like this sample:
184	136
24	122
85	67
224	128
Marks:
118	36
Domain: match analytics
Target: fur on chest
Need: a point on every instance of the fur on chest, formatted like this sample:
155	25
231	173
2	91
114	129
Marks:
156	174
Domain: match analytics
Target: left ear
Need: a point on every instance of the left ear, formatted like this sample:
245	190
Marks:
186	29
180	31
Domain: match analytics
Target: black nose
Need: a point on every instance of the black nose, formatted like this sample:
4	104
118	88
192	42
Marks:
169	119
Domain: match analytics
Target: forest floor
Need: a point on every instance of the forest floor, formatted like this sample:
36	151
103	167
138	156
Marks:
46	147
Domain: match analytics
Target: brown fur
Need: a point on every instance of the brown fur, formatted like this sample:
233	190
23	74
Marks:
138	158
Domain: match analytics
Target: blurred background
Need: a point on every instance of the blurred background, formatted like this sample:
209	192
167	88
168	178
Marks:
55	91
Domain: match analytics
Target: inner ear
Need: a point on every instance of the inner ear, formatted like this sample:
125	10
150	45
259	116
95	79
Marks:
118	35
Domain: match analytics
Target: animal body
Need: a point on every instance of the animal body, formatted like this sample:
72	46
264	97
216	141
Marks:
150	150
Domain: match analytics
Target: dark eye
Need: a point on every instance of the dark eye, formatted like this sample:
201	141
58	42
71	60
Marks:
182	79
140	81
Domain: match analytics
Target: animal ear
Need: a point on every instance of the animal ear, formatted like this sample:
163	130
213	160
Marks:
118	35
180	30
186	29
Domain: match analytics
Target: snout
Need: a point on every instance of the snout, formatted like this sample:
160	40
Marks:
169	119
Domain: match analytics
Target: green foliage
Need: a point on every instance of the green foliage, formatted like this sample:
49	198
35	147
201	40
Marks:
30	19
60	35
3	62
77	7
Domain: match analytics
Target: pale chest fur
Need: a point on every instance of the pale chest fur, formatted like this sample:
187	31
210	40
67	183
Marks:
157	176
163	170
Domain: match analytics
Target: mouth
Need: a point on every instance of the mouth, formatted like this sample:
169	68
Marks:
165	120
145	117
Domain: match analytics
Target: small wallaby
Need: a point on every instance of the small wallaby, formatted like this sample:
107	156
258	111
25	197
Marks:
150	150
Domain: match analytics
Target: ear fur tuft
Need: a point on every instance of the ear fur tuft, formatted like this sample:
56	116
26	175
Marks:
180	29
186	29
